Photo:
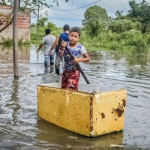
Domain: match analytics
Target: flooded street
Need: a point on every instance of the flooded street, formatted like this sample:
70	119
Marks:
20	127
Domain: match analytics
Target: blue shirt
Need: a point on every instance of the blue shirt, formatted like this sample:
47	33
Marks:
64	36
77	51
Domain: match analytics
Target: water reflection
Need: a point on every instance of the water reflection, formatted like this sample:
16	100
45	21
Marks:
67	139
6	54
14	97
109	70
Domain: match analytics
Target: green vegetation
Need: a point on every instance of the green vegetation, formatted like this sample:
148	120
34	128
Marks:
38	30
9	42
128	32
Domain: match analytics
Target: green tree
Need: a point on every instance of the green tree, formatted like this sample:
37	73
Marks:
51	26
122	25
140	11
135	9
27	6
95	20
32	25
41	22
119	14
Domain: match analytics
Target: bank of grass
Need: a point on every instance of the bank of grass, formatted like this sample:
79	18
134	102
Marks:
36	42
38	34
9	42
132	40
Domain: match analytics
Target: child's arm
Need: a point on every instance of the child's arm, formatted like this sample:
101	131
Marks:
62	49
85	58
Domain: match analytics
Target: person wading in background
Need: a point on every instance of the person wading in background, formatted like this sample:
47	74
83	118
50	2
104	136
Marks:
56	45
47	41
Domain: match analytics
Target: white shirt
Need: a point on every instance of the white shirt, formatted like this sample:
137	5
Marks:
48	41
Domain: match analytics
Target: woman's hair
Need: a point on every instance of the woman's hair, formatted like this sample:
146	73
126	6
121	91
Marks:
76	29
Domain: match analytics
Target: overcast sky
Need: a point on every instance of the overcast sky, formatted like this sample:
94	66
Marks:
75	17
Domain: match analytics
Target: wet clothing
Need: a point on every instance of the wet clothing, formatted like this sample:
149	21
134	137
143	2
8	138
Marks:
77	51
71	74
57	63
63	36
48	41
49	59
70	79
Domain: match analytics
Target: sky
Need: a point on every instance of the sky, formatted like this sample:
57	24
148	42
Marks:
75	17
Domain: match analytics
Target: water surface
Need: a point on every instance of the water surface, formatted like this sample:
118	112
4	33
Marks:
20	127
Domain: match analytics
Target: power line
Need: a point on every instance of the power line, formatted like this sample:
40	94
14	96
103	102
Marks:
78	7
70	9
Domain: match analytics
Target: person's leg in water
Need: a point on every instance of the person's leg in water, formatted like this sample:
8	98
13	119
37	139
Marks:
57	64
46	62
51	63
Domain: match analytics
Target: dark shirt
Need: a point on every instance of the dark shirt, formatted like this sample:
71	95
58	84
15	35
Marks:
63	36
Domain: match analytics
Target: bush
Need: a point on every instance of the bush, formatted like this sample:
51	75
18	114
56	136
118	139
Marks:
7	41
114	45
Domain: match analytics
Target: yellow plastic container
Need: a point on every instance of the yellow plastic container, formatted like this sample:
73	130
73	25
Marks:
87	111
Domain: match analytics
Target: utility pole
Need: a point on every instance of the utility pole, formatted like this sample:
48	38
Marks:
38	17
15	39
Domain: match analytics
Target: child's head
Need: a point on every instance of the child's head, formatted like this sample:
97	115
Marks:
74	35
66	27
47	31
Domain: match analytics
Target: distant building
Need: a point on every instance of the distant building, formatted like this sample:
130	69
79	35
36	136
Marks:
23	24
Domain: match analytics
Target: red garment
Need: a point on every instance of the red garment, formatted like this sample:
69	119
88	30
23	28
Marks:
70	79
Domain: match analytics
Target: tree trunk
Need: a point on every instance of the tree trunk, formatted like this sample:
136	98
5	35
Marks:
15	39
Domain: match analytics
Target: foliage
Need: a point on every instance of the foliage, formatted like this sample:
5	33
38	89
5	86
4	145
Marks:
141	12
37	35
26	6
132	40
119	14
32	25
121	25
33	5
41	22
9	42
51	26
96	19
125	32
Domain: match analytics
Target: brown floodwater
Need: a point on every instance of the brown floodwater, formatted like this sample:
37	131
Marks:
22	129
